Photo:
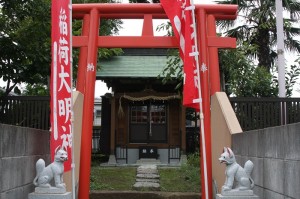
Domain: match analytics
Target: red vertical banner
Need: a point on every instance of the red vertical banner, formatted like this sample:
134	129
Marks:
61	87
180	15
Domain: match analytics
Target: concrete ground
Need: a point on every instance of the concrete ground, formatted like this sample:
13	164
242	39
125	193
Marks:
143	195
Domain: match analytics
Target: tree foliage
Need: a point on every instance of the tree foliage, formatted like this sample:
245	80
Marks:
107	27
25	51
292	77
256	28
242	78
37	89
241	74
24	42
256	33
297	63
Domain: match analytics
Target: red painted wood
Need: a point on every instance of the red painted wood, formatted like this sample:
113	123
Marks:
205	84
138	42
129	42
88	106
221	42
213	55
82	55
147	26
144	8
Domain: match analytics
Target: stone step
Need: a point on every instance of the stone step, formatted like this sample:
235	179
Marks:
148	176
153	186
147	169
147	180
146	161
148	172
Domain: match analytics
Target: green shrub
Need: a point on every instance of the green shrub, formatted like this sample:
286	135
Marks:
194	159
98	158
191	170
183	179
114	178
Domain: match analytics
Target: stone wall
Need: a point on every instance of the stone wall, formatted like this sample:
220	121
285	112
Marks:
275	153
20	148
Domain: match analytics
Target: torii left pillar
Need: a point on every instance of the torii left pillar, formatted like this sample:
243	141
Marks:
86	84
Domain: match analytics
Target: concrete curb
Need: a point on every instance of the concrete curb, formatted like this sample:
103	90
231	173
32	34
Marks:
142	194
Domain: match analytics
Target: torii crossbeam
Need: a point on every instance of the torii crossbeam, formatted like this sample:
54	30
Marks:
90	41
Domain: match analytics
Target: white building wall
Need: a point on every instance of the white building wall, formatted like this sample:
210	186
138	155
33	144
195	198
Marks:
97	112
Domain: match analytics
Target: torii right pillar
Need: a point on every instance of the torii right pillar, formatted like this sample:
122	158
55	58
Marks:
210	77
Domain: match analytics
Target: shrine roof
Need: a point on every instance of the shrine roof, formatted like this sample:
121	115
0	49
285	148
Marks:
134	63
132	66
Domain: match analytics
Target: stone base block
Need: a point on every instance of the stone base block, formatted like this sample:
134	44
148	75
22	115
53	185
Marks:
112	160
183	159
219	196
67	195
236	192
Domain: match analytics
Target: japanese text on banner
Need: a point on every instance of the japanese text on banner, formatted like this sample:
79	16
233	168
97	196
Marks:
61	102
180	14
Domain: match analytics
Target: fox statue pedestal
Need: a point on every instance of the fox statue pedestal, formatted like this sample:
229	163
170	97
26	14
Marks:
67	195
51	173
50	193
238	176
219	196
236	194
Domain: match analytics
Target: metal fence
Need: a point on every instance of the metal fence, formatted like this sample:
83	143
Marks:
259	113
26	111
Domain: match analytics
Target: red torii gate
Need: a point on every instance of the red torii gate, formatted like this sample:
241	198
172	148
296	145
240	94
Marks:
90	41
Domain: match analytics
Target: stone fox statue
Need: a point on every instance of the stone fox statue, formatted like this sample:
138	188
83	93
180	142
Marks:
55	170
235	173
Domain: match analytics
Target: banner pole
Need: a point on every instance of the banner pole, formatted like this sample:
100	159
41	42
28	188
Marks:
199	100
72	105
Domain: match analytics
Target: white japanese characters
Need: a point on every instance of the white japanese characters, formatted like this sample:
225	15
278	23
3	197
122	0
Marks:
63	43
186	31
61	82
90	67
203	67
